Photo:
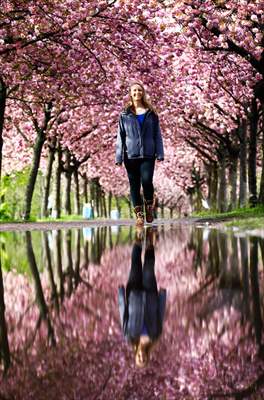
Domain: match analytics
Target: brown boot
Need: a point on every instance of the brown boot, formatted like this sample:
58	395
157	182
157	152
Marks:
149	210
139	215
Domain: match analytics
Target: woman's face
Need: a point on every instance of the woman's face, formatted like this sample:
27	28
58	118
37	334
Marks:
136	92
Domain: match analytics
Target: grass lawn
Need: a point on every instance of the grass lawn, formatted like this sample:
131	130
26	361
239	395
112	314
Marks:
244	218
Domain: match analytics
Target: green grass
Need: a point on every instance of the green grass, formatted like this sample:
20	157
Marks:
72	217
48	219
20	220
246	212
243	218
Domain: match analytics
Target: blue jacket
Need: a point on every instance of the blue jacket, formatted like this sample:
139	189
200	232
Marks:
142	307
137	142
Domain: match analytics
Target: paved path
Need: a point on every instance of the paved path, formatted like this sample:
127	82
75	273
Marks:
52	225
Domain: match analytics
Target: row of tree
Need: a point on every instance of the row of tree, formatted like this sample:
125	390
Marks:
65	72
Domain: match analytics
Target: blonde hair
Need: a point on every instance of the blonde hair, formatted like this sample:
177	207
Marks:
146	103
146	348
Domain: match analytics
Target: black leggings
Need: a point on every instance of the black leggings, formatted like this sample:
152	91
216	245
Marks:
140	171
142	278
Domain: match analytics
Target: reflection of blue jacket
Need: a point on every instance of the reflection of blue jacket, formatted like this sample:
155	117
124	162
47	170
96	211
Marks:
148	307
137	142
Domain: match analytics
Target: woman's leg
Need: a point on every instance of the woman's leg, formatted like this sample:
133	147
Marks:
149	278
135	274
146	175
133	173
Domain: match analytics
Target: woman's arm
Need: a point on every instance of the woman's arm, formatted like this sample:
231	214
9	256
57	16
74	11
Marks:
122	304
120	140
162	304
159	142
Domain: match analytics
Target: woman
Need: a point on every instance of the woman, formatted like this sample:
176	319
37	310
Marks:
141	305
139	143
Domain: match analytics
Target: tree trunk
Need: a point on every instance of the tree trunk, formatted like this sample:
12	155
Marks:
58	183
214	185
2	116
104	205
261	189
68	176
243	164
97	198
85	188
91	187
48	180
222	183
33	173
109	204
77	192
130	209
162	210
233	182
252	154
118	206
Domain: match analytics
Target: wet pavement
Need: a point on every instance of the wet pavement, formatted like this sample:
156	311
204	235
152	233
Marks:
173	311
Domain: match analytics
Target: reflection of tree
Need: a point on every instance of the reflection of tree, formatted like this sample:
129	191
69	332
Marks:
254	278
196	244
73	268
218	355
245	280
40	299
261	244
72	274
110	239
221	269
213	263
225	263
98	243
58	257
228	261
4	346
77	259
223	256
86	260
69	270
54	293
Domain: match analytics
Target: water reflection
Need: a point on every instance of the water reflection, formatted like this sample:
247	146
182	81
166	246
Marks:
59	317
4	345
223	260
39	295
141	305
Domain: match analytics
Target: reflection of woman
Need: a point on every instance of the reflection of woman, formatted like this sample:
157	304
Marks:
141	306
